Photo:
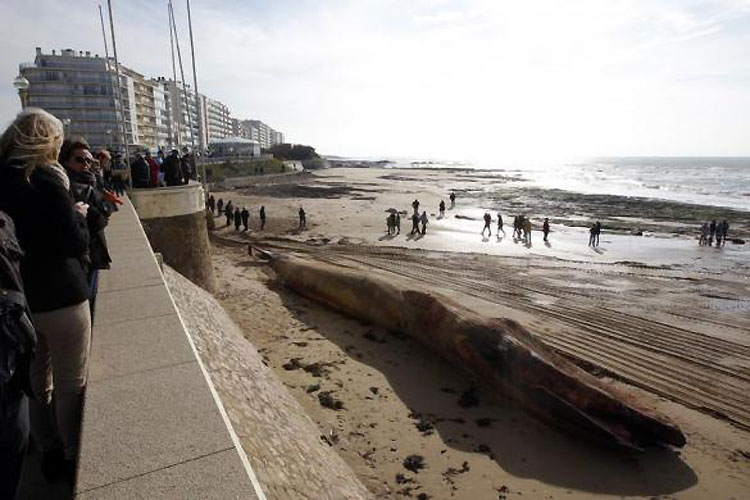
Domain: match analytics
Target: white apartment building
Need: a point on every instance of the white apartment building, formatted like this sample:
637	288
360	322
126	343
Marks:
256	130
216	120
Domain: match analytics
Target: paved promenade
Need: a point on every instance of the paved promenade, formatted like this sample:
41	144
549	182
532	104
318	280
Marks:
153	426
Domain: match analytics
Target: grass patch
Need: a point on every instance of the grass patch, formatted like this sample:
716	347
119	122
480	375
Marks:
229	169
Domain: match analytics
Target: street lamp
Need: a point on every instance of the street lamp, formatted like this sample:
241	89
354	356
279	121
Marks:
22	86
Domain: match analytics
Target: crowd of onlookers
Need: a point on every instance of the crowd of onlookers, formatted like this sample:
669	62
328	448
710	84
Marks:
148	171
56	196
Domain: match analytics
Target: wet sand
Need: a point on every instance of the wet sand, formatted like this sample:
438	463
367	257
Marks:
659	316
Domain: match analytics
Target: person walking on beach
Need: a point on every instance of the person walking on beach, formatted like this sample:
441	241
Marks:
414	223
545	228
245	217
724	232
442	209
424	221
415	206
500	224
262	217
398	223
220	206
211	204
453	199
711	232
704	234
592	235
487	222
237	219
302	218
598	231
389	221
517	221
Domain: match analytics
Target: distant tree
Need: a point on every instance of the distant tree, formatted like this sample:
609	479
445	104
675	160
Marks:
297	152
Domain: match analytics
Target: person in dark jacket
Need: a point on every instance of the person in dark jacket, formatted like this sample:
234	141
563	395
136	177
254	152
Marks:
211	204
52	230
237	219
172	169
220	206
245	217
262	217
186	167
140	172
229	212
76	158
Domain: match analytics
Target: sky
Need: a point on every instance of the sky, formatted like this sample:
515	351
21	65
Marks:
463	80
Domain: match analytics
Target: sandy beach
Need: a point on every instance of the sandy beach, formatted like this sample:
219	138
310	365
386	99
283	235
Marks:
655	314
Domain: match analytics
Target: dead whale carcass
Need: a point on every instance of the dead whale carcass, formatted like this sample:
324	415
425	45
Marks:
498	351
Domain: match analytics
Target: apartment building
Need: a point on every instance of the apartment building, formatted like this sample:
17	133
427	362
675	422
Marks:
258	131
81	90
216	120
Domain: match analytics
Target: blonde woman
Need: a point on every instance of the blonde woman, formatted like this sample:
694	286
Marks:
51	227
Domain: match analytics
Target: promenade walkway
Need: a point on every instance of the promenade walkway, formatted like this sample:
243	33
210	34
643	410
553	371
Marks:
153	426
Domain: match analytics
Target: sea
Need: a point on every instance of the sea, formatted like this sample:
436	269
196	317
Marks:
716	181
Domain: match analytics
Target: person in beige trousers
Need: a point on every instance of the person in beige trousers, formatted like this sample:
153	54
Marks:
52	231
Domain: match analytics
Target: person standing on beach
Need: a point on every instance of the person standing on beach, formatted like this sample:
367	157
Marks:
453	199
487	222
598	232
527	229
237	219
592	235
415	223
415	206
442	209
389	224
262	217
424	221
228	212
220	206
545	228
500	224
704	234
302	218
711	232
724	232
245	217
211	204
398	223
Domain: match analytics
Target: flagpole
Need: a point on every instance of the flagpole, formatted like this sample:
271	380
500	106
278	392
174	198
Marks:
117	87
203	119
182	74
